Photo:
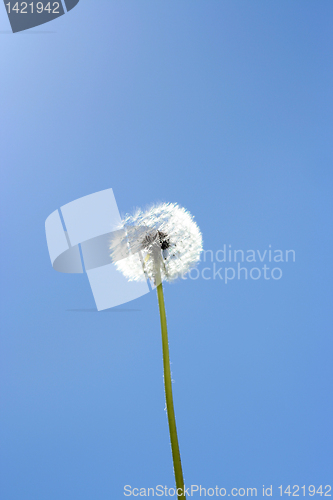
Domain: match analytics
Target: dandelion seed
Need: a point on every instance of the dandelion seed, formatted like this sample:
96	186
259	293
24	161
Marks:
167	237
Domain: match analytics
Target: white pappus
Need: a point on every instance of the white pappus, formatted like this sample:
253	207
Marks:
166	238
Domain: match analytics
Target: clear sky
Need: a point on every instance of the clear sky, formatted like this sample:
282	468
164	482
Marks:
225	107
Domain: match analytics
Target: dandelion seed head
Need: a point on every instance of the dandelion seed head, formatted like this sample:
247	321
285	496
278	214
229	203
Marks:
165	235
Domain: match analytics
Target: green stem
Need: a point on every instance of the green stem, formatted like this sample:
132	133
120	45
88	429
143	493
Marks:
168	396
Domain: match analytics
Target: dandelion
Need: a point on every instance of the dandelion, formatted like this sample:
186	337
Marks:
168	242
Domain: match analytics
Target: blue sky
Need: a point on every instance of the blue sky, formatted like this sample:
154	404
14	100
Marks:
224	107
